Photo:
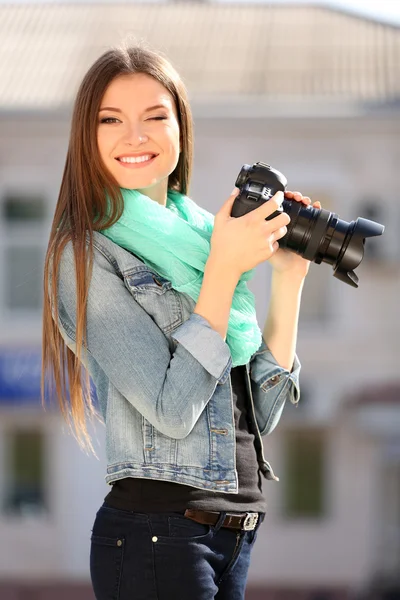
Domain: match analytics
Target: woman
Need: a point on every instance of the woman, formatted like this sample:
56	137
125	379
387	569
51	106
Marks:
165	325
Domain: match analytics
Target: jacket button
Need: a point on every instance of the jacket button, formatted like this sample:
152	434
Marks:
274	378
157	282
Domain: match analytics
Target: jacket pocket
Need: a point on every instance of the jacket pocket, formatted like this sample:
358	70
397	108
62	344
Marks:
106	560
157	297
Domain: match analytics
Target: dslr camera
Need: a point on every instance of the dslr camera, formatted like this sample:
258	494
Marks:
316	234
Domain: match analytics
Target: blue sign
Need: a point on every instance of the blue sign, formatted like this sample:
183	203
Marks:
20	374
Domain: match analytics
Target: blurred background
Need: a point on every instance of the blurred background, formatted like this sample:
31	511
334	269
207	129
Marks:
312	88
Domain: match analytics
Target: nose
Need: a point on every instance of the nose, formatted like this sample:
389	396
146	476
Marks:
135	134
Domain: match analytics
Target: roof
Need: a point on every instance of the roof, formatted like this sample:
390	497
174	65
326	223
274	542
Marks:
236	52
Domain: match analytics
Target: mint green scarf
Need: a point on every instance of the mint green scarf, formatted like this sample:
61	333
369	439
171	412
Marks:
175	241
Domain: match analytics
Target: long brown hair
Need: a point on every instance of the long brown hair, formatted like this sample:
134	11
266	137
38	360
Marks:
81	208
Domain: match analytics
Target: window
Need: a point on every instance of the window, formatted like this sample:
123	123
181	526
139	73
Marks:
23	277
21	209
304	469
22	250
25	470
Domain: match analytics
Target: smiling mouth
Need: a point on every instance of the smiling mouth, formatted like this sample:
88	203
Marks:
137	164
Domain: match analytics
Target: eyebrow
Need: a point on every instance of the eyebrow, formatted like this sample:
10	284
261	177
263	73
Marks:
118	110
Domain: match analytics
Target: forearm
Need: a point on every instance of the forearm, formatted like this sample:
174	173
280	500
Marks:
280	329
216	294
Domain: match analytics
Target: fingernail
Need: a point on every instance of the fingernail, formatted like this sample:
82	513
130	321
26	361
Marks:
235	189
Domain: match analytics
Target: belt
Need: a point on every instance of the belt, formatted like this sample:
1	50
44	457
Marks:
242	521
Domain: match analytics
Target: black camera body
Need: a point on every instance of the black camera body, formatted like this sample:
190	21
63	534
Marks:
316	234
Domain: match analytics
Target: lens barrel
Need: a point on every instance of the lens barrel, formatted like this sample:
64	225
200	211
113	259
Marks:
321	236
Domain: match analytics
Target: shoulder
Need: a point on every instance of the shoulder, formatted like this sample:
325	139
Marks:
104	265
106	254
110	262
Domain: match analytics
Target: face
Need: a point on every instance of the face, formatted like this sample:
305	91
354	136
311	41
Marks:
138	134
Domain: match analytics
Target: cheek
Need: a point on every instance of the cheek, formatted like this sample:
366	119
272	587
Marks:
101	144
172	131
173	150
105	140
174	139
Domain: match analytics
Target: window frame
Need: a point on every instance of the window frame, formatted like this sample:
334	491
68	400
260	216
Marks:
35	182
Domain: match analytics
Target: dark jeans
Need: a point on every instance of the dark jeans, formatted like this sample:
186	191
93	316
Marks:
137	556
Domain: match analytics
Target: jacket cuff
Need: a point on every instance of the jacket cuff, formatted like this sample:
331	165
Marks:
263	361
206	345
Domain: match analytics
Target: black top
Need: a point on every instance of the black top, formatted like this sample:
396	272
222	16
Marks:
149	495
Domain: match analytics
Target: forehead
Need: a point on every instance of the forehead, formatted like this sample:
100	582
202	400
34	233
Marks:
137	91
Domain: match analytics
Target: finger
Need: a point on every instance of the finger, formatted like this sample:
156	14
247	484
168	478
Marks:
279	233
298	197
275	247
279	221
226	208
317	204
234	193
269	207
272	247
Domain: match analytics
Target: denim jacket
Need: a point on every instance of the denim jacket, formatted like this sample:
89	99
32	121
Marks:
162	375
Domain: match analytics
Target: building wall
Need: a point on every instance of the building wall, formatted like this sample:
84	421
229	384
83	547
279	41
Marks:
347	337
336	550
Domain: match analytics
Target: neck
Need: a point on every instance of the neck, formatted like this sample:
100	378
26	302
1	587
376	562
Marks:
155	193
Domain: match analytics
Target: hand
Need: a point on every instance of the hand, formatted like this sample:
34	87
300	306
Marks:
241	243
284	260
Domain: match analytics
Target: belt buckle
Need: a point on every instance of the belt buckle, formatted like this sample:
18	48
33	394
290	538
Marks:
250	521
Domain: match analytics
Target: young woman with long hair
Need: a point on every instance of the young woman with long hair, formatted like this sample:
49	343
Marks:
146	293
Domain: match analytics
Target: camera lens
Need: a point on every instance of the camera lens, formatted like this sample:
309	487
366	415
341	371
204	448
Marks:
320	236
316	234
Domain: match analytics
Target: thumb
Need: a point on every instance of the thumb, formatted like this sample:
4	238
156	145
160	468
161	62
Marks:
226	208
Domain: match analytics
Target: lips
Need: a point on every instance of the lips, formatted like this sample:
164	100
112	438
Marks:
151	154
138	165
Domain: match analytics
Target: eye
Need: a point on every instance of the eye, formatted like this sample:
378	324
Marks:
107	119
157	119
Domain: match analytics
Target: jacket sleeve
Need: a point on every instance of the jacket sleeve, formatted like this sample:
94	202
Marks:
125	344
271	387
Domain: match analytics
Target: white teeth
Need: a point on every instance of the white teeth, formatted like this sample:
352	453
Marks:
132	159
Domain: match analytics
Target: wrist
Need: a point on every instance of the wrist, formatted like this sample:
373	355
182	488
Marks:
225	270
289	280
291	275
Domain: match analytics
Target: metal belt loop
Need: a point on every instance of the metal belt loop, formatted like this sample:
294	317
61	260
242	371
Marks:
220	521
